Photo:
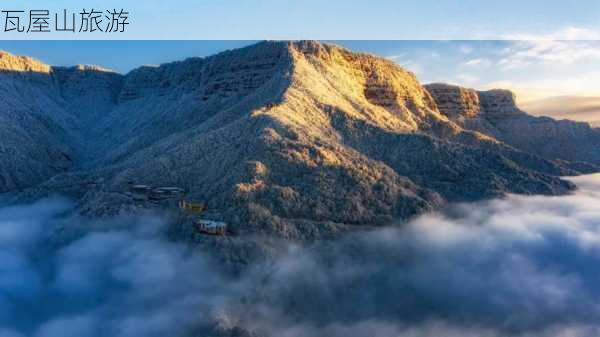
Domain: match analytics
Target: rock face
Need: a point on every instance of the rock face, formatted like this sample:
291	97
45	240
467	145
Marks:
12	63
295	139
455	101
498	104
497	114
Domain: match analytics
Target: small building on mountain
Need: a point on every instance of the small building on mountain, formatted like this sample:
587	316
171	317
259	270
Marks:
210	227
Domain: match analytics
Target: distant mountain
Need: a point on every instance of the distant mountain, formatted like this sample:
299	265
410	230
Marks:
297	139
577	108
495	113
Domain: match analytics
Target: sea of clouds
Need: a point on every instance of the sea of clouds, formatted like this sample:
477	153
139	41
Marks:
518	266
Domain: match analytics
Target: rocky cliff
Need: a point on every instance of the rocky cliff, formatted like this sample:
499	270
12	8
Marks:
495	112
295	139
455	101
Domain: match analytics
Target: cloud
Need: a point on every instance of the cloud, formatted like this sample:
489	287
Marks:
477	62
68	327
396	56
519	266
118	277
465	49
433	55
407	63
466	79
584	84
586	109
549	52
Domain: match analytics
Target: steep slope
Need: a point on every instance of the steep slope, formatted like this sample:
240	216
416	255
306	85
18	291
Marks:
495	113
48	117
198	95
87	94
33	145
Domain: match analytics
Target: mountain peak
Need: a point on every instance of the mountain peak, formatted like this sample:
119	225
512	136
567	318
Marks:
365	87
454	101
500	96
10	62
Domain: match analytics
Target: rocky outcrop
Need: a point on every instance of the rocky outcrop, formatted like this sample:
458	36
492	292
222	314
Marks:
499	116
12	63
455	101
498	104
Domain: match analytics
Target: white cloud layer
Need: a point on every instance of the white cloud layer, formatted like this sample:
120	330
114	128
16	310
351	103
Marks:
119	278
520	266
477	62
535	88
549	52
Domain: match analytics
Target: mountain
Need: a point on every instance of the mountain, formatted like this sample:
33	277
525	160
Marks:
33	146
578	108
495	113
294	139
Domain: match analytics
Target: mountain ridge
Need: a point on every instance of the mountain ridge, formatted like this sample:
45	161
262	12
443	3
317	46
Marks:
500	117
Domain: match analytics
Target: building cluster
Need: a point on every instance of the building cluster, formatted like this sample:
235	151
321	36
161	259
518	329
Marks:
193	210
149	193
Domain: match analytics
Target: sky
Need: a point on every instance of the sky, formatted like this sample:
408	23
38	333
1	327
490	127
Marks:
534	69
